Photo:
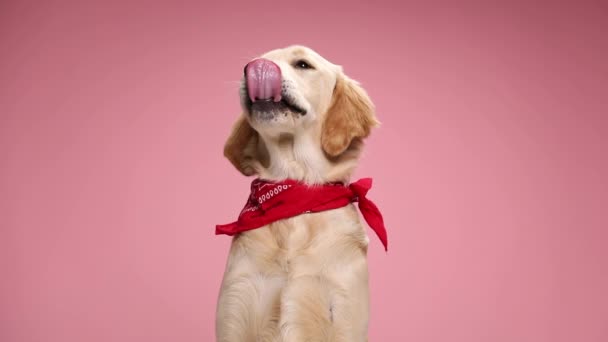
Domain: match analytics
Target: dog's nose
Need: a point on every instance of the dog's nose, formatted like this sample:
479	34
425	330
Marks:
263	79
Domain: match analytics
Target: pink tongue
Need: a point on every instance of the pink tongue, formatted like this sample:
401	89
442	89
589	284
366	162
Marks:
263	80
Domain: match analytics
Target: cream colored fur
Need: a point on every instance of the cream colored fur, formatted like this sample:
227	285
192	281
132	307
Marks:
303	278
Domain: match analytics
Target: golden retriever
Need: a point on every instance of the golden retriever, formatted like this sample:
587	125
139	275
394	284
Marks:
304	278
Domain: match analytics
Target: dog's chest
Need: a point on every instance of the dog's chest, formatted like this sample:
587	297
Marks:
316	234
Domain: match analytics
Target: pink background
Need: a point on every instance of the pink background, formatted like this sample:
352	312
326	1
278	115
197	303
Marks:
490	166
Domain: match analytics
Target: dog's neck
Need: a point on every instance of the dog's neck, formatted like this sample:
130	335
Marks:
302	158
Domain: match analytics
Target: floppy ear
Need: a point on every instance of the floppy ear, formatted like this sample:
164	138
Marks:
240	148
350	116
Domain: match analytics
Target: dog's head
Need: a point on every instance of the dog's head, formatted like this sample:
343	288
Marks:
302	118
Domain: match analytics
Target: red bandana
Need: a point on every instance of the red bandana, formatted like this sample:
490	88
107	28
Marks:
273	201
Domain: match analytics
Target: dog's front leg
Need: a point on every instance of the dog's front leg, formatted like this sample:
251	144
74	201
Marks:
249	303
325	309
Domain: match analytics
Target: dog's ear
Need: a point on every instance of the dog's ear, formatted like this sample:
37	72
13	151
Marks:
241	146
350	116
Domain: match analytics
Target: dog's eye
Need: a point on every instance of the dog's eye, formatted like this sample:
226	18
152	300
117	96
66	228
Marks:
302	64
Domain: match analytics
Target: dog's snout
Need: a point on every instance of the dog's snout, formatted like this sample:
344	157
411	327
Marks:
263	79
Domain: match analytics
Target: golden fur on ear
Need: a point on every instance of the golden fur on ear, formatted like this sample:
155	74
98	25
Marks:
240	148
351	116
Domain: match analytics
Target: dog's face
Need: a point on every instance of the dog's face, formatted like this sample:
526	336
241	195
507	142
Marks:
302	118
303	87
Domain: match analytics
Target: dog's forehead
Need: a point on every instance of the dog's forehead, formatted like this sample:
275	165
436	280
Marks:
297	51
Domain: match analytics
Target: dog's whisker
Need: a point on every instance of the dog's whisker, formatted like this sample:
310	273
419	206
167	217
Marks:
232	82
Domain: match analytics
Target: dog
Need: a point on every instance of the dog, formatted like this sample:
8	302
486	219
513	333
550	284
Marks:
303	277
